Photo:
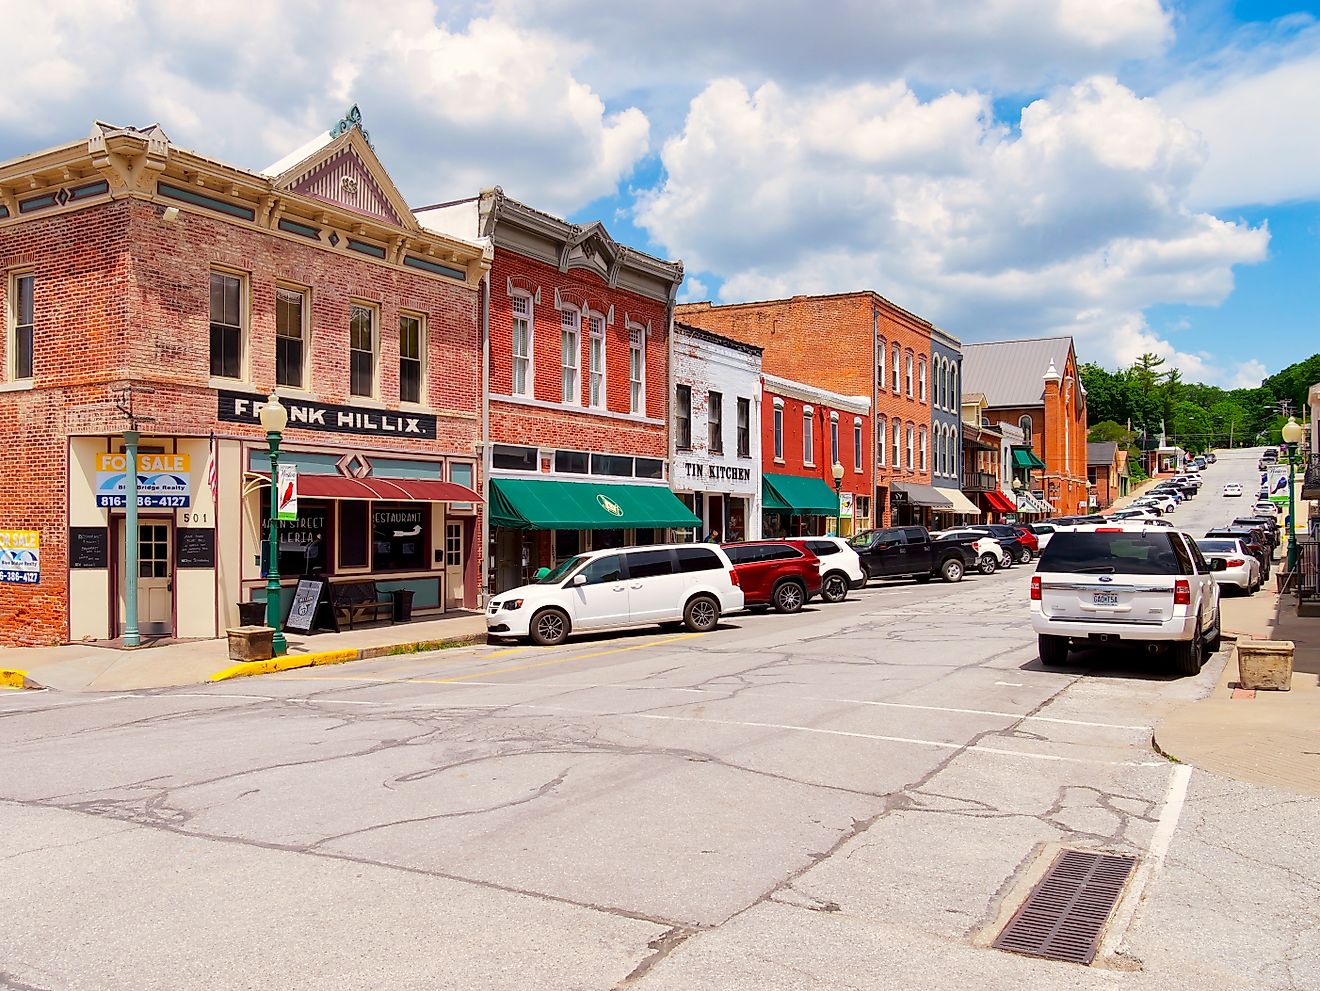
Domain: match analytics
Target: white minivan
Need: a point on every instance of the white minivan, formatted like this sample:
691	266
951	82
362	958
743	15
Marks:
693	584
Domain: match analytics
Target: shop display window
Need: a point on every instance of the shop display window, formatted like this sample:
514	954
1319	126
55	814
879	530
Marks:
400	536
354	534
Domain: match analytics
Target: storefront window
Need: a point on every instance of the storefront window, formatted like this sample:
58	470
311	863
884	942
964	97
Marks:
354	532
514	458
400	537
649	468
611	464
573	462
462	473
304	542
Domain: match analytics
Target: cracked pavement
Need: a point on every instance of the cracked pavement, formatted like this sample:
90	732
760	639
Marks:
848	798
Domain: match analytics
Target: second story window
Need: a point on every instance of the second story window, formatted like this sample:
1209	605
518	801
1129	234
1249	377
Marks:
881	350
570	325
411	349
896	439
683	417
907	374
896	366
522	345
637	371
857	444
596	368
226	326
779	430
808	440
924	442
361	350
23	318
921	378
744	427
834	438
879	442
715	420
909	437
290	332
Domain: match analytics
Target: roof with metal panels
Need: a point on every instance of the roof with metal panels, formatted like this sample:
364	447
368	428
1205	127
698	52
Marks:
1011	373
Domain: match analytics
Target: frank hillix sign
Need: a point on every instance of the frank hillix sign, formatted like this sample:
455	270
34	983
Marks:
244	407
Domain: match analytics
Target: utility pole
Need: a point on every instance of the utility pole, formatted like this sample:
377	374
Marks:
1231	423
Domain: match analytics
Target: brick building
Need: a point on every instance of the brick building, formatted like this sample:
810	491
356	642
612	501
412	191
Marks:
1034	384
807	432
149	286
875	349
578	360
1107	471
715	432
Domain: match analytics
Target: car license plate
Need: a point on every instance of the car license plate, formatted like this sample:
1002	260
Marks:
1104	598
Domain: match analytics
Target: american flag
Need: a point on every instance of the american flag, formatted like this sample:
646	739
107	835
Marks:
212	475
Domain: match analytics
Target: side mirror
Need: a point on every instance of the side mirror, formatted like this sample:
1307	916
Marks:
1218	564
576	580
540	573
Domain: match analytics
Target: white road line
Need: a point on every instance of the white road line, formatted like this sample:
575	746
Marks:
65	705
1010	684
1175	797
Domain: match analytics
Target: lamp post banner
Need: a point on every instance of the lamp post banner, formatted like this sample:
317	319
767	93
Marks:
286	489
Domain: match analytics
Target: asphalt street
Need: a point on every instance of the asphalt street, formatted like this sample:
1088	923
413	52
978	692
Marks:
853	797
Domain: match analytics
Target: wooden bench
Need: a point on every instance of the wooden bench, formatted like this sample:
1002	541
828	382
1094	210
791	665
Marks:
360	600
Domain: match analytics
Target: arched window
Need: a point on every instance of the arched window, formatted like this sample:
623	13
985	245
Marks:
1025	423
910	438
881	350
880	442
955	400
923	441
896	440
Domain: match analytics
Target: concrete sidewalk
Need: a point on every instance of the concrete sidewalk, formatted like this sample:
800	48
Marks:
87	668
1269	738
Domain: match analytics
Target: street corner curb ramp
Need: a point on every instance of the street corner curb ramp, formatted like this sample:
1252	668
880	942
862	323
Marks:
290	662
14	678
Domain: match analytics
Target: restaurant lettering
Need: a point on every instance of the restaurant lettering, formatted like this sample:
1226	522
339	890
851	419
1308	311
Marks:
717	472
243	407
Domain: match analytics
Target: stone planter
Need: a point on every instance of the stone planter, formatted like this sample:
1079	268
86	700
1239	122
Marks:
1265	665
252	643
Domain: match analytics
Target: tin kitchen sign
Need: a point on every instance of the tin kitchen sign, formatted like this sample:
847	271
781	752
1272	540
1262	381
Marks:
20	556
164	481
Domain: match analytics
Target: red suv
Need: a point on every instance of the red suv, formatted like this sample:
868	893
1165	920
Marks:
775	573
1028	539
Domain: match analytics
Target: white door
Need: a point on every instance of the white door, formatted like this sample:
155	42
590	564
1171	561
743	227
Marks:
602	599
454	565
155	578
655	588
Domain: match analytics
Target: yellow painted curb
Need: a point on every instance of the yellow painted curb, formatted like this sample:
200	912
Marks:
286	663
11	678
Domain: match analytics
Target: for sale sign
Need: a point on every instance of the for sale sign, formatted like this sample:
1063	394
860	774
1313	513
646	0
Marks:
164	481
20	557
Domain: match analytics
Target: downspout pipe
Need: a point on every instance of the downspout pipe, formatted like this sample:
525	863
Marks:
485	440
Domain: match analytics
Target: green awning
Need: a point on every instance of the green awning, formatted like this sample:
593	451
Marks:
548	504
1023	457
795	494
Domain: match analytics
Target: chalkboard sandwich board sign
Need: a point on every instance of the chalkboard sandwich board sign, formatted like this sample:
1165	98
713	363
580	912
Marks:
310	608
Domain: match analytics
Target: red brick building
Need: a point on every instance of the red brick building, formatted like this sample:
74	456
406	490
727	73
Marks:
148	286
1034	384
853	344
806	432
578	356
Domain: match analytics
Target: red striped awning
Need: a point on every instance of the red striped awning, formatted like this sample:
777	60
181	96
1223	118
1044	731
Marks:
998	502
384	489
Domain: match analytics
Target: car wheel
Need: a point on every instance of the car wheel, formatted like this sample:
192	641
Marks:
866	576
1213	645
1053	650
549	627
1026	556
789	597
952	570
1186	658
1006	561
988	565
702	614
834	588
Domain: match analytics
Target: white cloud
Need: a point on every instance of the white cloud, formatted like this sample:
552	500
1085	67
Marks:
450	110
1248	375
1074	224
693	290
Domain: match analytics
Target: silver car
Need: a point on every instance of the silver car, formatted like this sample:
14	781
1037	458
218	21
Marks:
1241	569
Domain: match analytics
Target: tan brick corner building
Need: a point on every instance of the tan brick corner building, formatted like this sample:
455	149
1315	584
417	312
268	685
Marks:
148	286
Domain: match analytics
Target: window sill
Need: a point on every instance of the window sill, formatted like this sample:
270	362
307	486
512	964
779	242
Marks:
370	402
232	385
18	385
292	393
779	461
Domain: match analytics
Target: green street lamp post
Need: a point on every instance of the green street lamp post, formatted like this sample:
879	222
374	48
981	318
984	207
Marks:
274	418
1292	434
836	470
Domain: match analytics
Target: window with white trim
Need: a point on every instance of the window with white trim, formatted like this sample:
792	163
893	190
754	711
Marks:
361	350
955	400
22	322
921	378
924	439
228	326
522	344
412	348
808	440
779	430
596	361
834	438
290	337
907	374
570	328
744	427
715	421
637	370
910	438
882	349
857	443
897	366
896	441
880	441
1024	423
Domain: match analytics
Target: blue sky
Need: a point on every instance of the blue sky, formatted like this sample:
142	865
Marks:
1142	174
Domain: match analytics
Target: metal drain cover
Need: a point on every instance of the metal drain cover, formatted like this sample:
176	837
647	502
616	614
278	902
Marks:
1065	913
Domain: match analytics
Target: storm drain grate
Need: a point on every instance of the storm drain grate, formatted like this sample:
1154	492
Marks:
1063	916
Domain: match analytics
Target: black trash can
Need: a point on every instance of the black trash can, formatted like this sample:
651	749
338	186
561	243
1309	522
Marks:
252	614
402	604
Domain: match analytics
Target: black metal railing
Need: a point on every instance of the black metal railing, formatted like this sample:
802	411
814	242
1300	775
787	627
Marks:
1308	567
980	481
1311	477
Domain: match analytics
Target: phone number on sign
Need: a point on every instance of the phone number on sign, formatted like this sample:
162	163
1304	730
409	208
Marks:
144	502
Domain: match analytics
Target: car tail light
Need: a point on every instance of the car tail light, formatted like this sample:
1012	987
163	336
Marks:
1236	562
1109	529
733	576
1182	592
1035	588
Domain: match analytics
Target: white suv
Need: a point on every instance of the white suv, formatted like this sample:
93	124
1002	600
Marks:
631	586
840	566
1127	583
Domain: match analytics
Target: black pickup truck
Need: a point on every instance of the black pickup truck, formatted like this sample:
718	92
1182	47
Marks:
910	552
